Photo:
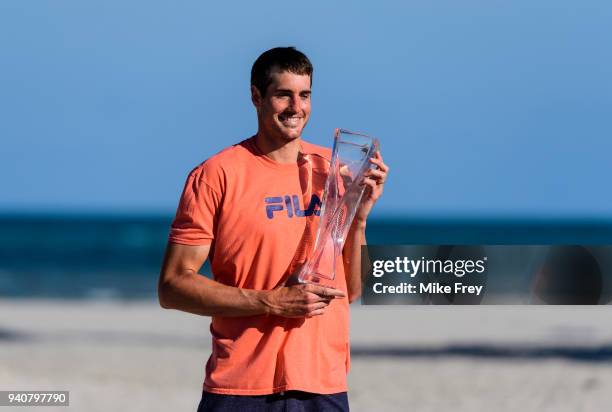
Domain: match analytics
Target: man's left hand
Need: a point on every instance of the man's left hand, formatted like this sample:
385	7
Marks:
374	181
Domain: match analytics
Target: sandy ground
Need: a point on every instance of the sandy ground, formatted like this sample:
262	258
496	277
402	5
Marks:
138	357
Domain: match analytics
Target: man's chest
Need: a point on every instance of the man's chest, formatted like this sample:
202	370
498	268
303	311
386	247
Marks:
276	207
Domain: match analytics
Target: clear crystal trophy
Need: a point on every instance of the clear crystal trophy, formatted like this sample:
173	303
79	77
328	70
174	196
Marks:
341	198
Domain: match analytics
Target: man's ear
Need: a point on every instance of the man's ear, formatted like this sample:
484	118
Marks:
256	97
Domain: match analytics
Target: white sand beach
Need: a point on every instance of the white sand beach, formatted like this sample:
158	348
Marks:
138	357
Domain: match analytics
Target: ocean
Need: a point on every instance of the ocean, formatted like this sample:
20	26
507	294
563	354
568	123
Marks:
119	257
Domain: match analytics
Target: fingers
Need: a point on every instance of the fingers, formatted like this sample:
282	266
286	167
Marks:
371	186
314	313
378	175
308	300
317	306
325	292
378	161
369	182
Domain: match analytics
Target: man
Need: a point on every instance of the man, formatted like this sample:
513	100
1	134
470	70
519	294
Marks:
274	346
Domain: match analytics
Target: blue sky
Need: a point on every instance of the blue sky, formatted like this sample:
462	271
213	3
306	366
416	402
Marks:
482	107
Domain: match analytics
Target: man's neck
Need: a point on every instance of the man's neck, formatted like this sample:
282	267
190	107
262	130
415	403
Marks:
280	151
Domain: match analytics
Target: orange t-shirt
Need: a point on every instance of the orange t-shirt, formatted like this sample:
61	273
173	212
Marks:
258	215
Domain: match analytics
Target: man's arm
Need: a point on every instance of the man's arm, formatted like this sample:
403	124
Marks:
351	257
374	182
181	287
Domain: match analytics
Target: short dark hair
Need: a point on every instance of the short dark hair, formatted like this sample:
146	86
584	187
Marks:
283	58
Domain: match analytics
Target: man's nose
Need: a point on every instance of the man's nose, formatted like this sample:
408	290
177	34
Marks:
295	103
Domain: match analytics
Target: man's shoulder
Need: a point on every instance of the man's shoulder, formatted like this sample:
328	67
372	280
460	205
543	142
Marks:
228	157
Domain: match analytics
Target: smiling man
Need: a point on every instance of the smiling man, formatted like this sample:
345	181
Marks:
275	345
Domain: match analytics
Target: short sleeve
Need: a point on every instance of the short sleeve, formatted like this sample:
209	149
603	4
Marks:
197	213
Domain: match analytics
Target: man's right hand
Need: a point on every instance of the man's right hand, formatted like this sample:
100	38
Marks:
303	300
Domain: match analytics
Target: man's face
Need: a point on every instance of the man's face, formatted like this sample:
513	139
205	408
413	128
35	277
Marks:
285	109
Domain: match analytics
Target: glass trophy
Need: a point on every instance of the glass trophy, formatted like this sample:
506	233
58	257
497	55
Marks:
341	198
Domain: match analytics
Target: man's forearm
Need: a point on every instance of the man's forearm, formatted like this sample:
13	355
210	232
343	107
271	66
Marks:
191	292
182	288
351	256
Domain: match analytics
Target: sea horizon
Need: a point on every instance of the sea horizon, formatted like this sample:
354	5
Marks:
118	256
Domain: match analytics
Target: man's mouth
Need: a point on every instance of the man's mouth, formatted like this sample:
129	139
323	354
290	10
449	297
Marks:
290	121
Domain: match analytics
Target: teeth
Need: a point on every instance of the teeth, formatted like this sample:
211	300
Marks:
291	121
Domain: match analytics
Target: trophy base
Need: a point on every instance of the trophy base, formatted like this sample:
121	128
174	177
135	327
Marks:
316	279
